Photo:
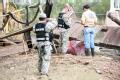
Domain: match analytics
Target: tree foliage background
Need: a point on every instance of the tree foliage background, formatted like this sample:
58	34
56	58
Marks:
99	6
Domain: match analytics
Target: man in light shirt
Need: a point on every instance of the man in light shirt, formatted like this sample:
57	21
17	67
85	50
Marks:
89	21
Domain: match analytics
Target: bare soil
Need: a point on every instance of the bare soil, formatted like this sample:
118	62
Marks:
68	67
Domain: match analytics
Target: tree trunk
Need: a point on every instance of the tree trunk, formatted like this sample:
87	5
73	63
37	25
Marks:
48	8
27	35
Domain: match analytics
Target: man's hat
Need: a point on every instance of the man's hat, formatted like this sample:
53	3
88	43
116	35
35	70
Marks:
43	15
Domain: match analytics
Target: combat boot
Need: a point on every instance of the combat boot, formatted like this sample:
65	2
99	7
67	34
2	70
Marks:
87	53
92	52
43	77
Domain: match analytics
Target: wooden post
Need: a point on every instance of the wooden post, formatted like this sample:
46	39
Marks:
4	11
4	6
27	34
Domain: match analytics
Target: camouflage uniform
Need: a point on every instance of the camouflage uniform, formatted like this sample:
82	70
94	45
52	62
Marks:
44	49
64	29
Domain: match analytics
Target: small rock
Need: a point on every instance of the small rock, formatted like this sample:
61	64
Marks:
98	71
86	63
78	61
97	49
12	68
72	62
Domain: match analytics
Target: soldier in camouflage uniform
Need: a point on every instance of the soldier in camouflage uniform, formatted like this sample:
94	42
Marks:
42	30
64	22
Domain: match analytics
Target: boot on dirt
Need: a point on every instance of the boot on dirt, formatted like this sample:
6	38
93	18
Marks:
92	52
43	77
87	53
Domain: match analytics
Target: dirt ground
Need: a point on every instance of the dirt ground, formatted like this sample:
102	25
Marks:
69	67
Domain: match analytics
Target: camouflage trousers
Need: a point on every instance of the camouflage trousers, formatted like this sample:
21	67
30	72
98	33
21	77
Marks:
64	37
44	52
